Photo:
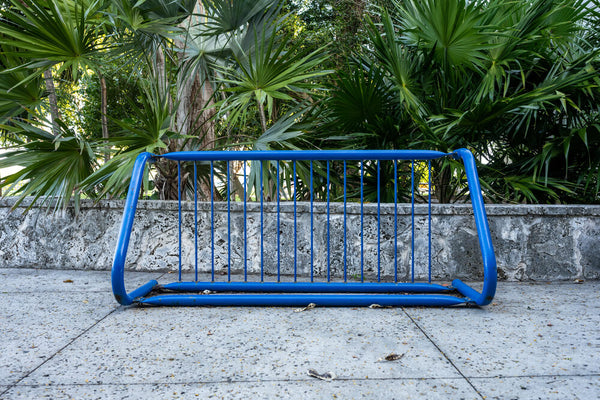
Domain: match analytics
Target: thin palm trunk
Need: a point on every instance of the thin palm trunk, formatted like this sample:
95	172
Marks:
200	121
52	99
104	112
263	118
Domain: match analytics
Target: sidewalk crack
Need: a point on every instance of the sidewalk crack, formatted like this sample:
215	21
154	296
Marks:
443	354
57	352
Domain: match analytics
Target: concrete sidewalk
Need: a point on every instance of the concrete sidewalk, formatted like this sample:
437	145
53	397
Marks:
63	336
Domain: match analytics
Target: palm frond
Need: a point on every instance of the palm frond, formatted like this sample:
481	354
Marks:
52	167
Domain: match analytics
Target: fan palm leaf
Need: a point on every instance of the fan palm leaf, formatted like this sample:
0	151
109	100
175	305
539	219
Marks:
47	34
52	167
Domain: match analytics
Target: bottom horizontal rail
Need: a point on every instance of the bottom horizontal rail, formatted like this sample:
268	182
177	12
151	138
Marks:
307	287
299	300
481	299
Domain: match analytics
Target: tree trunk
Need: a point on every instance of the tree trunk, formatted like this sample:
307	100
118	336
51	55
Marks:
349	18
263	118
194	97
54	114
184	96
443	185
201	122
192	116
160	72
104	118
166	180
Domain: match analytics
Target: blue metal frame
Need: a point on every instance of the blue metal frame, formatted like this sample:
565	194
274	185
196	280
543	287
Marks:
296	293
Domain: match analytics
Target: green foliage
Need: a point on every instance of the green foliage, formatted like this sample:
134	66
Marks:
17	98
123	100
516	82
152	135
51	32
53	166
270	71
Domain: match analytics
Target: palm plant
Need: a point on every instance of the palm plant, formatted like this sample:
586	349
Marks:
515	82
155	114
180	52
17	97
270	70
38	39
53	166
49	33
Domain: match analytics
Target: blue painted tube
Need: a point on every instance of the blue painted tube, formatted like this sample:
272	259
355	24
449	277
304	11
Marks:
212	221
471	295
179	213
412	216
262	236
378	221
395	220
228	224
305	155
328	244
429	215
278	229
308	287
143	290
195	222
469	292
312	249
362	222
345	228
295	225
483	230
245	229
291	300
117	272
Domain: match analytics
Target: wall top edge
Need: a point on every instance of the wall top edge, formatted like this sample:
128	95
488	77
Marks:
369	208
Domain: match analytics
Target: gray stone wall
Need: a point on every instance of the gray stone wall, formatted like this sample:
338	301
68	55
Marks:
531	242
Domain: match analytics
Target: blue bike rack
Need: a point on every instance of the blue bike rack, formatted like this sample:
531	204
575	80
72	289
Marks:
336	283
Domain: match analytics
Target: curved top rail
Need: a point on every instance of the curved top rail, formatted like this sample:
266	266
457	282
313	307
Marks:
483	232
305	155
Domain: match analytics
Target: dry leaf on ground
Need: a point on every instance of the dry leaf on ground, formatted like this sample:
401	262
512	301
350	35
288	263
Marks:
326	376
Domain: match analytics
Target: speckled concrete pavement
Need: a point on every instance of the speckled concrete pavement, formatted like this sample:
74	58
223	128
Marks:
62	336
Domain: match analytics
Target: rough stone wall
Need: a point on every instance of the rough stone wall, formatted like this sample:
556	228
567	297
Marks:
531	242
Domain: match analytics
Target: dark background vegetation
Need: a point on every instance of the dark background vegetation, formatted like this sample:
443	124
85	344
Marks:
85	86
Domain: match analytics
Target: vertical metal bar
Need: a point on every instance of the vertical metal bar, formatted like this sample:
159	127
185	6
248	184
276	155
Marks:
195	222
412	200
378	221
328	243
262	237
295	225
245	228
278	230
312	249
362	222
212	221
345	231
396	221
179	202
228	224
429	201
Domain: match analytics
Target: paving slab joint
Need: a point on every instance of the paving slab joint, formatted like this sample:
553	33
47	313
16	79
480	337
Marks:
11	386
444	354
